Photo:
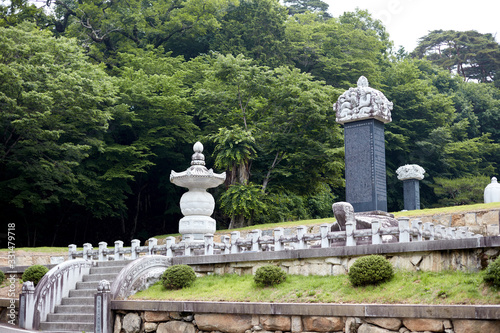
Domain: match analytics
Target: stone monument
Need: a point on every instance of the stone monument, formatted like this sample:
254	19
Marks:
492	191
363	111
411	175
197	204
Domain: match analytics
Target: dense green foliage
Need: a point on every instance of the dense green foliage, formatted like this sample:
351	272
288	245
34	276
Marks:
492	275
34	273
178	277
2	277
269	275
372	269
100	100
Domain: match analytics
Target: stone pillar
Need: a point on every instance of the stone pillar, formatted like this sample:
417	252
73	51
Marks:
102	308
492	191
27	305
364	111
411	175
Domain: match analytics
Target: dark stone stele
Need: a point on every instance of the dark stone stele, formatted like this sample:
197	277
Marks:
365	174
411	193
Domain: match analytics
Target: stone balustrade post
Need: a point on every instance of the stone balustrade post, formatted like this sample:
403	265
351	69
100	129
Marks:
226	240
87	251
27	305
235	235
323	230
119	250
404	229
103	251
462	232
450	233
301	231
169	241
71	251
152	243
278	233
376	237
209	244
350	227
428	231
188	240
254	236
134	245
440	232
102	308
416	230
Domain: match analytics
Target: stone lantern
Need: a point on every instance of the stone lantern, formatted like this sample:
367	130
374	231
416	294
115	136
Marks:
197	205
492	191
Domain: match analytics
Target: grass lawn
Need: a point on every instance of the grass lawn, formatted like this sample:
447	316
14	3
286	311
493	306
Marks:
405	288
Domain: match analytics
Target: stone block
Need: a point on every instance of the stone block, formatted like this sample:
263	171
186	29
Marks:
176	327
388	323
223	322
457	220
296	324
367	328
338	270
322	324
334	260
150	327
402	262
156	316
476	326
420	325
275	323
488	217
132	323
117	328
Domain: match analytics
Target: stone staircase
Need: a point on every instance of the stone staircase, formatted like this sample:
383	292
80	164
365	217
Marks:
76	312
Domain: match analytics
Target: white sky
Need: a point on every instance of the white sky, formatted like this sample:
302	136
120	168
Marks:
408	20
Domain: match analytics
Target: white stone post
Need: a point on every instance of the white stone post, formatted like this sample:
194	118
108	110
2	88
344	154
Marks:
278	233
169	241
350	227
103	251
209	244
323	230
301	231
440	231
119	250
254	236
152	242
134	244
429	231
235	235
416	230
226	240
102	308
87	251
188	240
71	251
27	305
376	238
404	230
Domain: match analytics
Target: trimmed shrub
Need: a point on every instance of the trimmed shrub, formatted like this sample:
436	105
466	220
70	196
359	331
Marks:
178	277
2	277
372	269
492	275
34	273
269	275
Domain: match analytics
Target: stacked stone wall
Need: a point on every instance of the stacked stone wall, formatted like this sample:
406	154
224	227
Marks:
178	322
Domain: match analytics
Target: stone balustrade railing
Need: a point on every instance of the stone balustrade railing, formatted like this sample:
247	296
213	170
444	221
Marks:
255	241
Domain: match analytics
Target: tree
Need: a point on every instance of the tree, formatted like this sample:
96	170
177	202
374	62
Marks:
303	6
472	55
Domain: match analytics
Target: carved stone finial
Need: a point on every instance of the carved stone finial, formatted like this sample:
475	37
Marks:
198	158
28	287
104	286
410	171
362	103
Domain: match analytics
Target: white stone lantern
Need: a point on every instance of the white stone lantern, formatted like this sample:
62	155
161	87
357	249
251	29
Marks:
197	205
492	191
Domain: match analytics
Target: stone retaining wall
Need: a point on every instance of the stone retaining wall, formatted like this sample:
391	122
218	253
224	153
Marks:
135	317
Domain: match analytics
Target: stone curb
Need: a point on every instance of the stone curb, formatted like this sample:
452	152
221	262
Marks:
359	250
484	312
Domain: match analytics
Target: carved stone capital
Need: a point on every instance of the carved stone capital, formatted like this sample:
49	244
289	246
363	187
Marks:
410	171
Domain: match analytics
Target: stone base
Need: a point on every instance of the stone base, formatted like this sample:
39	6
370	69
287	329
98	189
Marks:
197	225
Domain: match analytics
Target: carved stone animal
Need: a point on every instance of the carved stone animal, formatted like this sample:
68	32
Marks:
344	211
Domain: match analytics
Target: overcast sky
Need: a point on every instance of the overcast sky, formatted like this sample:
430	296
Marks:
408	20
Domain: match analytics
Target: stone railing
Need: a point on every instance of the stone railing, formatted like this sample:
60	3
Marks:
256	242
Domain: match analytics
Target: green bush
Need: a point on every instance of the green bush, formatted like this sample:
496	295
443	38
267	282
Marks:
269	275
178	277
34	273
2	277
371	269
492	275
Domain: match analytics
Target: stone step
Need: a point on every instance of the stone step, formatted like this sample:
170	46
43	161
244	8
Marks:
84	309
82	293
67	327
89	285
70	317
121	263
88	301
99	277
106	269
